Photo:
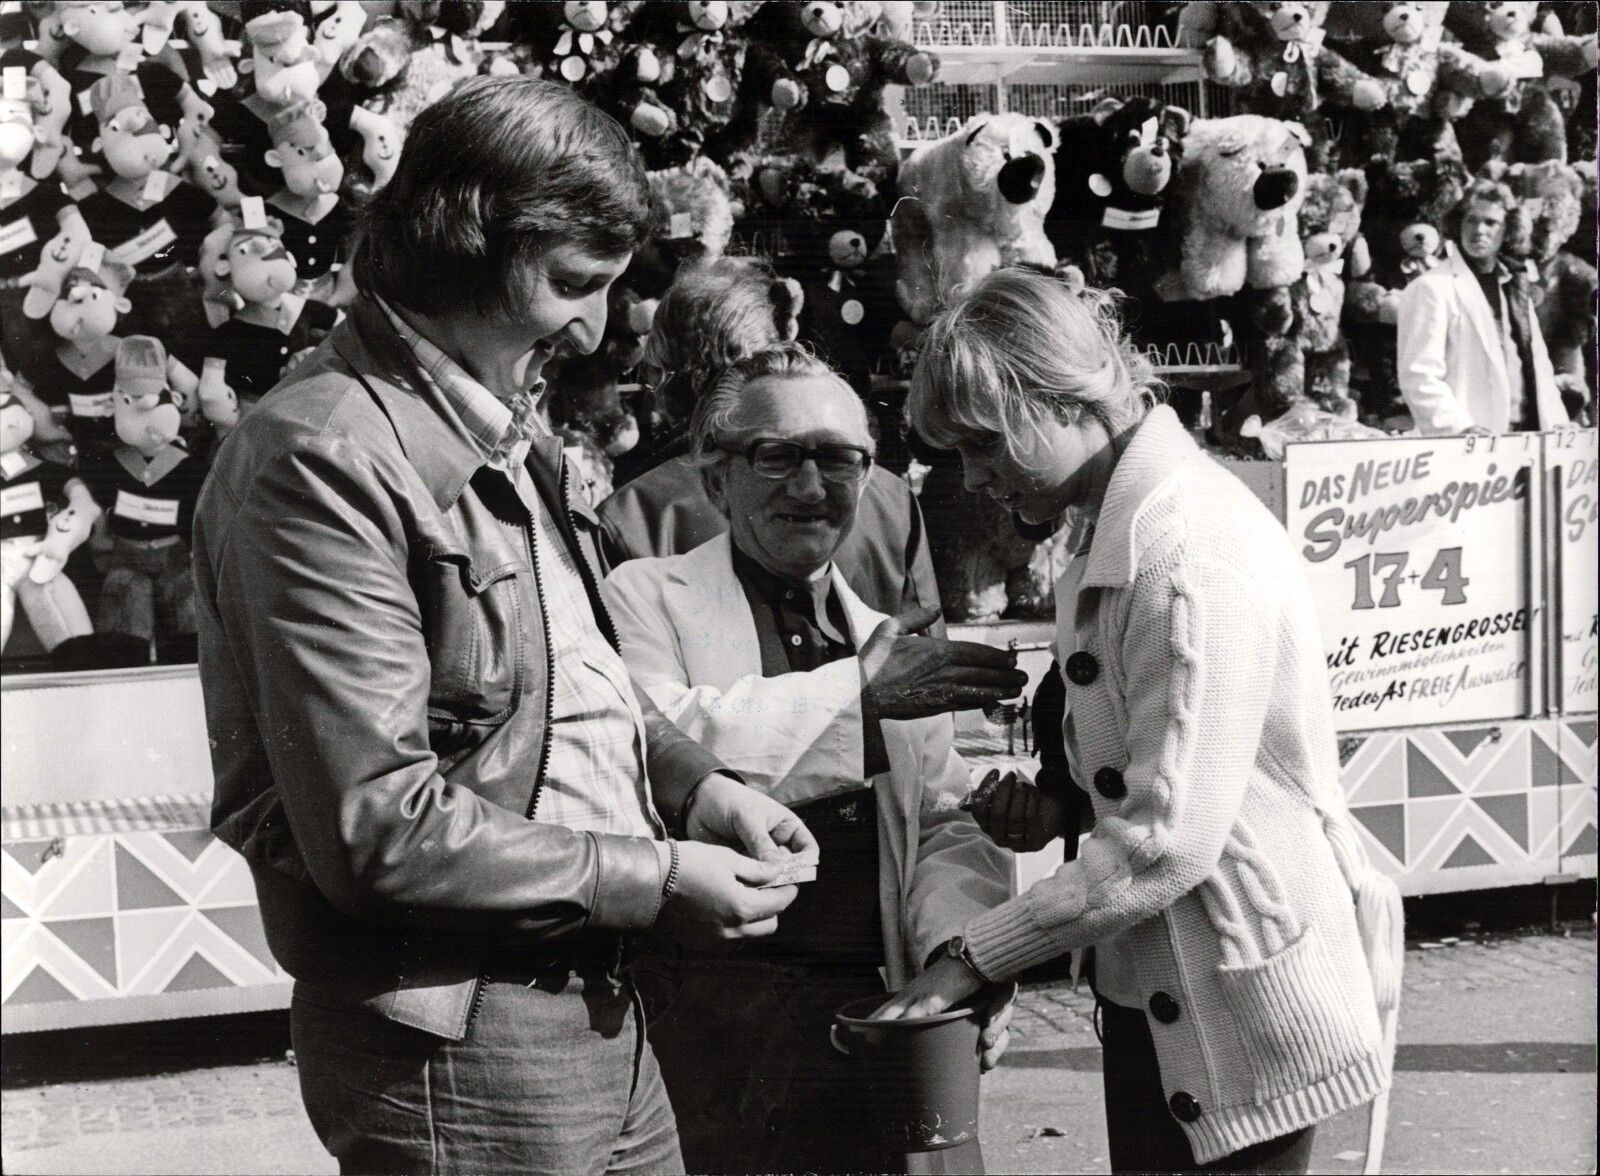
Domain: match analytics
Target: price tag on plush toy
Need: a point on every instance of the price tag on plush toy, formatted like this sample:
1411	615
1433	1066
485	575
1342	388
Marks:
852	312
837	78
680	226
10	186
17	234
155	187
717	89
85	103
1099	185
92	256
154	512
254	211
23	499
90	404
16	83
1280	84
1419	82
573	68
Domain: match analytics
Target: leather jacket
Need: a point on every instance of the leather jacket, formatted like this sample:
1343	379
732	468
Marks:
376	670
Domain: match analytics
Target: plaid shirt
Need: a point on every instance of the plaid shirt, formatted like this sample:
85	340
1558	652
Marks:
595	776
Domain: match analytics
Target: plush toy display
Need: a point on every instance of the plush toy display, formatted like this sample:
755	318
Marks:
972	202
260	321
399	65
77	379
576	41
1310	361
29	212
1275	53
1114	168
1552	201
38	86
830	63
147	487
46	513
1514	117
1425	82
313	219
145	215
1238	191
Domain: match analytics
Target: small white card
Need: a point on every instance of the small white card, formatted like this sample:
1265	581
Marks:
93	255
17	234
254	212
15	500
801	867
90	404
157	512
16	83
155	186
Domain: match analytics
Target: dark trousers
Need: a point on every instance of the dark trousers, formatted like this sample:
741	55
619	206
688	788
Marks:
554	1076
1144	1136
745	1053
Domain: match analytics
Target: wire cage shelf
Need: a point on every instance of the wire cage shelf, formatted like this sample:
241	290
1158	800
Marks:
1045	24
927	113
1176	359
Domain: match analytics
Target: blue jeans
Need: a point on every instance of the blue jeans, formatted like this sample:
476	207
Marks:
553	1076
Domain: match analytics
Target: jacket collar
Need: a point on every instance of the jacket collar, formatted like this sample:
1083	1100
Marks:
433	440
1476	305
1159	449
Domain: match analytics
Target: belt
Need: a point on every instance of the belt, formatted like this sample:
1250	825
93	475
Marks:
524	963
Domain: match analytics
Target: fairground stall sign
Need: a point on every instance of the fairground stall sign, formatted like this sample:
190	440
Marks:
1427	562
1572	465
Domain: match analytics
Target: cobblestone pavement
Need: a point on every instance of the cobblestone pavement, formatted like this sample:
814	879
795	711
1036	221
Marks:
1495	1073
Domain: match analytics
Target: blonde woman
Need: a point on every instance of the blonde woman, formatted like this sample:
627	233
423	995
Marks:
1245	948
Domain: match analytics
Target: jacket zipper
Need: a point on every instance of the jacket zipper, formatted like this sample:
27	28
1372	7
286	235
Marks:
531	548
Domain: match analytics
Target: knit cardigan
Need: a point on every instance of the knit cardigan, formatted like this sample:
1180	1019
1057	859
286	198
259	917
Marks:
1262	940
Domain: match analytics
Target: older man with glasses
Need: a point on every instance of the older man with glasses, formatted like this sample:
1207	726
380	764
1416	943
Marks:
756	646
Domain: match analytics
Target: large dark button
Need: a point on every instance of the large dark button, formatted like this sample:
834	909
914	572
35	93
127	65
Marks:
1108	783
1082	668
1163	1008
1185	1107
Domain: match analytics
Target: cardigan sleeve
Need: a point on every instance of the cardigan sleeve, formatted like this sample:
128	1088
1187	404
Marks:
1197	654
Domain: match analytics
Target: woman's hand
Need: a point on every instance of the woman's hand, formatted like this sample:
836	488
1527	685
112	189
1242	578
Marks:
1019	817
948	982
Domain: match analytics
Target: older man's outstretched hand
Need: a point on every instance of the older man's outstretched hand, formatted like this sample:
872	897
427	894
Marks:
908	676
722	894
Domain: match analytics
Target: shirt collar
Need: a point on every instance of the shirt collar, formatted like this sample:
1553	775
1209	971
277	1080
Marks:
1158	450
817	591
501	432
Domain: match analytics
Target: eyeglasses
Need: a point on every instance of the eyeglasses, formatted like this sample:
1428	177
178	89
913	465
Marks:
843	464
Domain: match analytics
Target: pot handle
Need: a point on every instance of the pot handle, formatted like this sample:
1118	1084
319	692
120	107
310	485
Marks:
833	1036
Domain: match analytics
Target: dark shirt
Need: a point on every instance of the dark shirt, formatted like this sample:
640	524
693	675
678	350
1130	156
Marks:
27	495
314	246
155	238
25	226
837	915
256	354
1506	295
146	501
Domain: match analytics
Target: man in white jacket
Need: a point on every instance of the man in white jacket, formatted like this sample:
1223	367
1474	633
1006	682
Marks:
756	646
1471	358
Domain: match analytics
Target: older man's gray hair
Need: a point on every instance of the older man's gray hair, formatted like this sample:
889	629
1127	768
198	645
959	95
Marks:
718	414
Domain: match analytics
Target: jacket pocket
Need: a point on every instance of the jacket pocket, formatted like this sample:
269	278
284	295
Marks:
472	618
1294	1018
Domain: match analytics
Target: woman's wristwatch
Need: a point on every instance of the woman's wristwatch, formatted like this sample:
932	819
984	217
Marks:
956	948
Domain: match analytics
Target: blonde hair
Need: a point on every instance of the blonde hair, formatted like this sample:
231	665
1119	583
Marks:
1019	347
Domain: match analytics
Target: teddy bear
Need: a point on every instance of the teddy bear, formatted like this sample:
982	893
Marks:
1403	225
970	203
1275	52
1514	116
574	41
1114	169
1310	361
1552	201
832	62
43	98
587	410
1237	194
1425	78
405	62
46	513
148	487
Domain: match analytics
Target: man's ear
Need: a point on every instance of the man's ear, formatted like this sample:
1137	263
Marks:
711	477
